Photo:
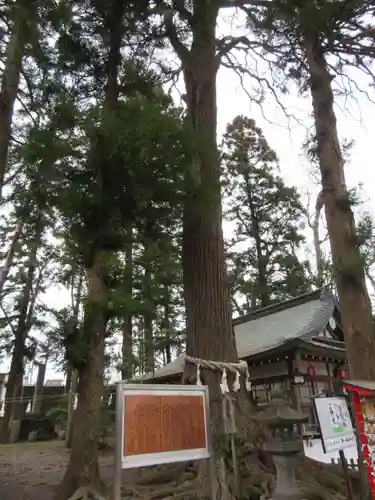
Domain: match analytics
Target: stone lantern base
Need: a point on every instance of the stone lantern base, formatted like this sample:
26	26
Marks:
286	486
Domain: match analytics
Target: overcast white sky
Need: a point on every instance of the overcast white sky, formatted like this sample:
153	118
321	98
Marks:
355	121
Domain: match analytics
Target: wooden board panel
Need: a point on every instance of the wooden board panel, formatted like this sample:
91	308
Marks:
156	424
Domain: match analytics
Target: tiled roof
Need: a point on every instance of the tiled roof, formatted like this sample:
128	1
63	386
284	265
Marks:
301	318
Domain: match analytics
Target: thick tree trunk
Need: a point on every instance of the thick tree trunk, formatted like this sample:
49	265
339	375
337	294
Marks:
83	465
127	326
349	274
206	286
10	81
207	297
15	378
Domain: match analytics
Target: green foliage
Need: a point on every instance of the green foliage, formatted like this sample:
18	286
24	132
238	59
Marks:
59	413
143	149
366	242
266	215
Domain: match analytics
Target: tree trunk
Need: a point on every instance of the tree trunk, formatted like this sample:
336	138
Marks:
4	271
317	243
83	467
207	297
10	81
39	386
261	264
68	380
349	274
166	324
150	308
15	378
127	326
207	293
148	340
72	374
149	344
71	399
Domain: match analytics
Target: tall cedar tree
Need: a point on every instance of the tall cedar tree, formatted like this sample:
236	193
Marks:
303	37
266	214
191	29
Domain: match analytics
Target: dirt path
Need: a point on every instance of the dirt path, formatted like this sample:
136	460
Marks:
31	471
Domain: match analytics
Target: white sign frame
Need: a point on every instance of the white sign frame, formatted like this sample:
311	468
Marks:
334	440
149	459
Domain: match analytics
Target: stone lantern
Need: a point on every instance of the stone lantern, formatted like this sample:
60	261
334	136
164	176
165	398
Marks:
284	443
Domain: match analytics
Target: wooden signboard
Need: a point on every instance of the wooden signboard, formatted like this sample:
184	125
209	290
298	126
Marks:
158	424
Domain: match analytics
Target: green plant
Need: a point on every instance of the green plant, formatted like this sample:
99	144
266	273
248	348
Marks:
59	413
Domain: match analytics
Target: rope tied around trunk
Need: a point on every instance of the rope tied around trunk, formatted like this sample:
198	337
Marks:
240	368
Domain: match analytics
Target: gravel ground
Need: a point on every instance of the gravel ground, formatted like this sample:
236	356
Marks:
31	471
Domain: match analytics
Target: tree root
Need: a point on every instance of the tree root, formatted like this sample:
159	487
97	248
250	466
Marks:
87	493
317	482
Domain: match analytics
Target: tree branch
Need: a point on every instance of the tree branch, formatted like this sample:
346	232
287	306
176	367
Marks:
244	3
227	43
171	32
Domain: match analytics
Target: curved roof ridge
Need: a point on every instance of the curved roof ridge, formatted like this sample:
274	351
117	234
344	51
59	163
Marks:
320	316
285	304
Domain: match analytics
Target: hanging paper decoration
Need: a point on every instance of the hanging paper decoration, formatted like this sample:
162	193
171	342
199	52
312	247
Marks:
224	382
236	383
247	382
199	381
311	370
110	400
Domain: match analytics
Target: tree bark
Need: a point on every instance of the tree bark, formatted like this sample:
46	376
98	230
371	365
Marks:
83	465
26	306
10	81
355	306
317	243
207	297
207	294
